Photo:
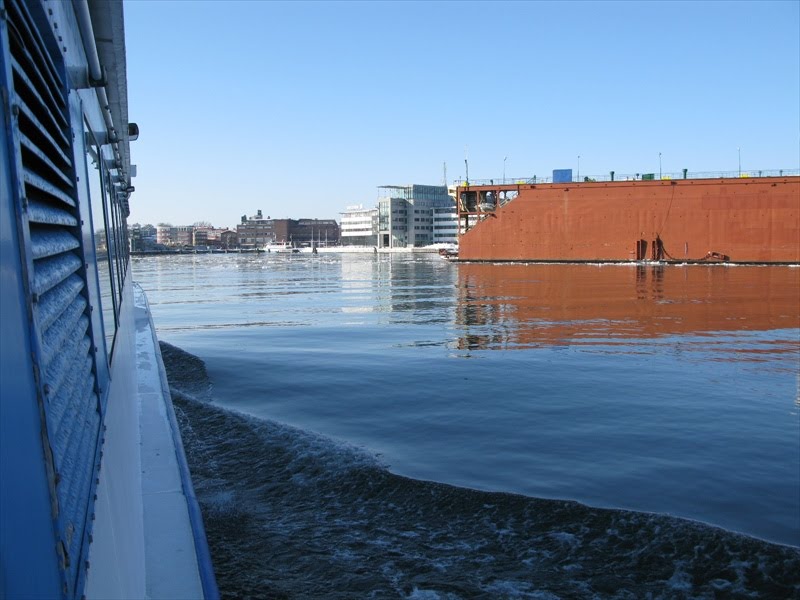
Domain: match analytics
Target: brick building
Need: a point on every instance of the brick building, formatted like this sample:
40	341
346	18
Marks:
256	231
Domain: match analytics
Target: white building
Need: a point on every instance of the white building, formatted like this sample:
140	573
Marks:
359	226
445	224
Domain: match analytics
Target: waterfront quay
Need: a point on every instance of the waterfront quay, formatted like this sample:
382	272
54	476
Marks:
305	250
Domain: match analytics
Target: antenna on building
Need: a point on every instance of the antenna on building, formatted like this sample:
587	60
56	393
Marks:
444	178
466	163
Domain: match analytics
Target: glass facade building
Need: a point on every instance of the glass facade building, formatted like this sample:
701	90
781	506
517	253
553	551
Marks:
406	214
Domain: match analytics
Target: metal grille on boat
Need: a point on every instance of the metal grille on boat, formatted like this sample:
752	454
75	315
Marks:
50	224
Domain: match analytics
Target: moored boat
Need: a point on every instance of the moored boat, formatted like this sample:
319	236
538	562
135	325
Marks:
279	248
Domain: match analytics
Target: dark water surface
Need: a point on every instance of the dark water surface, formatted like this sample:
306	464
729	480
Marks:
364	385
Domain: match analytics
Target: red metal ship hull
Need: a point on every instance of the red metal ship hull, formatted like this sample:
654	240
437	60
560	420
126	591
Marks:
748	220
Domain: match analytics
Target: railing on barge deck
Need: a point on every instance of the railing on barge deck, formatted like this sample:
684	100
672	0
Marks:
637	177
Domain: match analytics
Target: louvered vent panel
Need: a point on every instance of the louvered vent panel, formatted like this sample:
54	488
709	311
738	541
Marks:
52	271
61	307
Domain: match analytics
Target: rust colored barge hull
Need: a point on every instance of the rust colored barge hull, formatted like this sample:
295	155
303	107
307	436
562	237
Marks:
753	220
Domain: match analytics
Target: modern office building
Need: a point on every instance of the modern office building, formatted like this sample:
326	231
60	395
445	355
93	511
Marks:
406	214
359	226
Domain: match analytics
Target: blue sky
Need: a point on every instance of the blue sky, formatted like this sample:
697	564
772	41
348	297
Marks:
300	109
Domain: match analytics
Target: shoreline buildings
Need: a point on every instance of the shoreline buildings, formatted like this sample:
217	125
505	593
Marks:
202	236
359	226
406	214
257	231
445	224
252	233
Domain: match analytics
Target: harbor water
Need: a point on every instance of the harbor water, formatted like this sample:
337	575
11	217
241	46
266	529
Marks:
365	425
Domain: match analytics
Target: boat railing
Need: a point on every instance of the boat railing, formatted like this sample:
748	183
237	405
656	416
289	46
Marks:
637	177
